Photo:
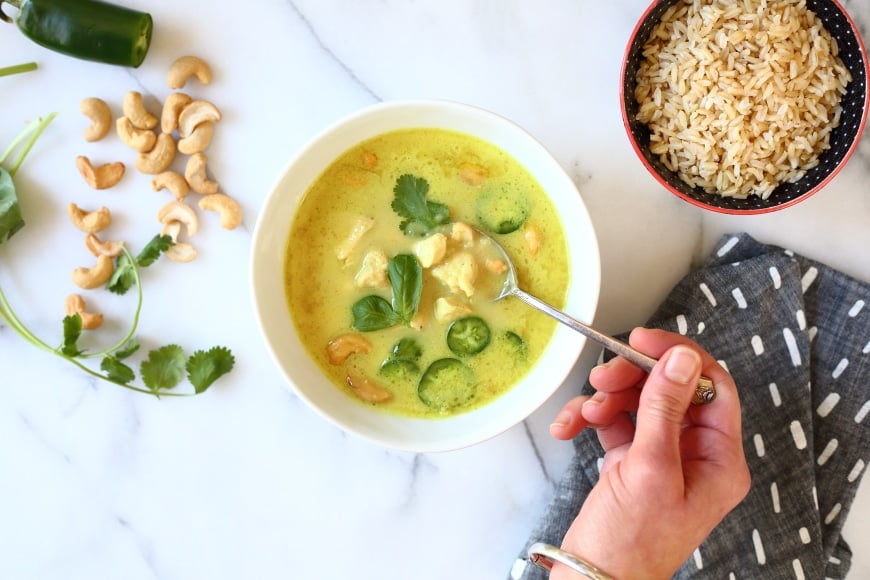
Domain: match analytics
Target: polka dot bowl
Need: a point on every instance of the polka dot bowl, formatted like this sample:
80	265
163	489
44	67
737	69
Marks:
843	140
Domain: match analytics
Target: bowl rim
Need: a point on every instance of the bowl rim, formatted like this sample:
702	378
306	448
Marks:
459	431
853	147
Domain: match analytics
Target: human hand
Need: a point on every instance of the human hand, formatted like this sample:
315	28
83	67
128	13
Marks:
667	480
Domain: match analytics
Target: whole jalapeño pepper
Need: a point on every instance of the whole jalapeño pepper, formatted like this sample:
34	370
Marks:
86	29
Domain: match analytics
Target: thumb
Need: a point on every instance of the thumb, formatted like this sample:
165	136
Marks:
665	398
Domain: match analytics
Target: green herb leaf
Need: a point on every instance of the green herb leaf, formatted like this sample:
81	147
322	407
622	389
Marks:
421	215
374	313
164	368
406	279
10	212
153	250
116	370
126	349
72	330
124	276
204	367
11	219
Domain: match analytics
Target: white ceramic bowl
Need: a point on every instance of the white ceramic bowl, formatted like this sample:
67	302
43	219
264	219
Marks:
279	331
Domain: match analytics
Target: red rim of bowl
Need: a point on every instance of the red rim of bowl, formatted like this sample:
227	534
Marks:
639	152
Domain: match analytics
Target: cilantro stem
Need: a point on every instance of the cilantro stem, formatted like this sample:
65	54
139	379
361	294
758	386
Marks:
134	324
110	380
18	68
15	323
8	314
30	134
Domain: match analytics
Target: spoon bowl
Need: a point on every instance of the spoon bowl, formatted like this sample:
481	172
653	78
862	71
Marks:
705	392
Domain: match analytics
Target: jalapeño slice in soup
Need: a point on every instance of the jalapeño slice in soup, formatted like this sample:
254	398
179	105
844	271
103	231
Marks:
391	290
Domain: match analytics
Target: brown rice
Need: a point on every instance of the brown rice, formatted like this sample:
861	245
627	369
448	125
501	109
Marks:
740	95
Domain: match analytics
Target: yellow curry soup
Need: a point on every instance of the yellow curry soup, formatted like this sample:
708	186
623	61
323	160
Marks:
347	231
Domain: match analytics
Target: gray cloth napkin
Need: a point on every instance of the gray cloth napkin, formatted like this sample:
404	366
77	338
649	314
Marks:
795	335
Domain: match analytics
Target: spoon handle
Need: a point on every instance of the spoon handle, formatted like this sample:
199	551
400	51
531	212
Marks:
704	392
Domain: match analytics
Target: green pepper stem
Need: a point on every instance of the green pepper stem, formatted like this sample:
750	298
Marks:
5	17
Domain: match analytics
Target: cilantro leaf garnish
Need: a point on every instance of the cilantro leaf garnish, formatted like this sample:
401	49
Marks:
421	215
72	330
164	368
130	346
116	370
204	367
124	276
153	250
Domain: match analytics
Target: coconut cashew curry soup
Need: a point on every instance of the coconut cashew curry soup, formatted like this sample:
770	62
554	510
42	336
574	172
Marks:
391	289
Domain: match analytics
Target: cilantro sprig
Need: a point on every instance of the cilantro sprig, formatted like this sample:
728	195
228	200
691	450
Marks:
165	367
161	372
11	219
124	276
420	215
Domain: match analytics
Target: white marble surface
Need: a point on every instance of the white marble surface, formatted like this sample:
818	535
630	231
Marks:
245	481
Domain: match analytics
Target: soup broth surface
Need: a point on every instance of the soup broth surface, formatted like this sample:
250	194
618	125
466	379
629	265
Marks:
462	172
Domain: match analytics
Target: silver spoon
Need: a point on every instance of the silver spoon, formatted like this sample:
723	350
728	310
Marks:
705	392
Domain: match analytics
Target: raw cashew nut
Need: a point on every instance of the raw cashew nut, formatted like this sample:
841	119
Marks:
198	140
172	229
181	252
99	274
100	115
196	175
195	113
173	181
98	247
134	109
172	107
159	158
140	140
89	222
178	211
101	177
185	67
75	304
227	207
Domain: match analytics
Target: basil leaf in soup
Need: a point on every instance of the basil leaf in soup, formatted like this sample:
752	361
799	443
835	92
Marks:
373	313
406	279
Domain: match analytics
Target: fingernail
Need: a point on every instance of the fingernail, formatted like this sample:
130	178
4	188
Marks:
603	365
682	364
594	400
561	420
